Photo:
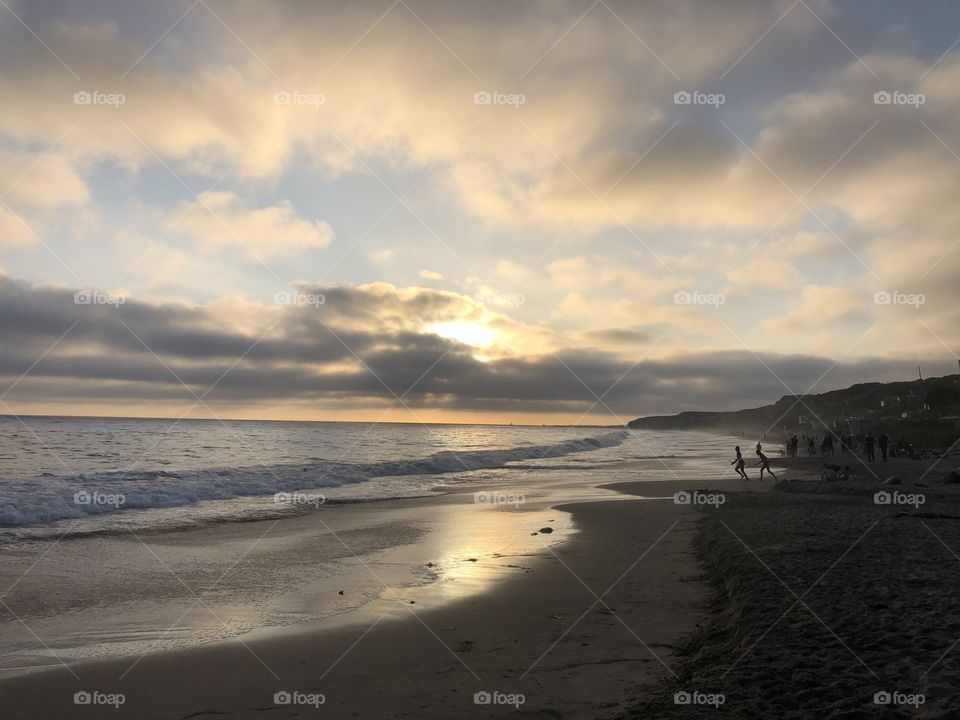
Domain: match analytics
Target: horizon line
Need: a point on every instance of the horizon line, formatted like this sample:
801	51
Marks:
15	416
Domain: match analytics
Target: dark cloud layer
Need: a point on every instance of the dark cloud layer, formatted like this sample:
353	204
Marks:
140	351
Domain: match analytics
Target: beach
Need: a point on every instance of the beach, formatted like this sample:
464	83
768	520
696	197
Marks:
828	599
571	625
674	597
510	570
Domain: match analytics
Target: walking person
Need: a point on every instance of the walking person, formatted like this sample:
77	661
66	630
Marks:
764	463
868	443
740	463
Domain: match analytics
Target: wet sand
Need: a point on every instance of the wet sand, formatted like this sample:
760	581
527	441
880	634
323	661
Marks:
574	626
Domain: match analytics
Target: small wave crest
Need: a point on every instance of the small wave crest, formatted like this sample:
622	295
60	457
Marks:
50	498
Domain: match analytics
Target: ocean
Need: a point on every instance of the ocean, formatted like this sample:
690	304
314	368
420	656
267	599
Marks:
123	537
66	476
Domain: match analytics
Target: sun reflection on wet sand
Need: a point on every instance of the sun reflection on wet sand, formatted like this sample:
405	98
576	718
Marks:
342	566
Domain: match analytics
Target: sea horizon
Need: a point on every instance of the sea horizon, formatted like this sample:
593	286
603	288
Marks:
298	420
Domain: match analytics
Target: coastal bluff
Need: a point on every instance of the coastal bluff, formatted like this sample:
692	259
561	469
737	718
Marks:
930	407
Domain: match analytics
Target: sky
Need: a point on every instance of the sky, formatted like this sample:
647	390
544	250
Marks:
540	211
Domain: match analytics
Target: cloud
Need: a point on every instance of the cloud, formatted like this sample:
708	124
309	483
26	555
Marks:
288	355
821	306
14	231
581	211
209	106
583	273
40	181
219	220
613	339
766	273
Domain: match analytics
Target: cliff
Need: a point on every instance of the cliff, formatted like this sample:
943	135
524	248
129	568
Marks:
927	407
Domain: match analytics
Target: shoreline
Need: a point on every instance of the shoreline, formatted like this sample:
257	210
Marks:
538	631
312	571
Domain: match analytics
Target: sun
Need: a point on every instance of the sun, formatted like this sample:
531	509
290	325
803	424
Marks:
467	333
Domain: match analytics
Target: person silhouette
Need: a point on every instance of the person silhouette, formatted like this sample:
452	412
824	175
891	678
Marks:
868	443
883	440
764	463
741	464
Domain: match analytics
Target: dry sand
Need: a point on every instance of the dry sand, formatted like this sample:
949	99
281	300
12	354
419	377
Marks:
822	599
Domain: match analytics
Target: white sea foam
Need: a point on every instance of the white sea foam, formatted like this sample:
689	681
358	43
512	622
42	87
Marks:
49	498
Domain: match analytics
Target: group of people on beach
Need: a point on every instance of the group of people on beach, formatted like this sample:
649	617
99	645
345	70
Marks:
741	464
849	445
827	446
